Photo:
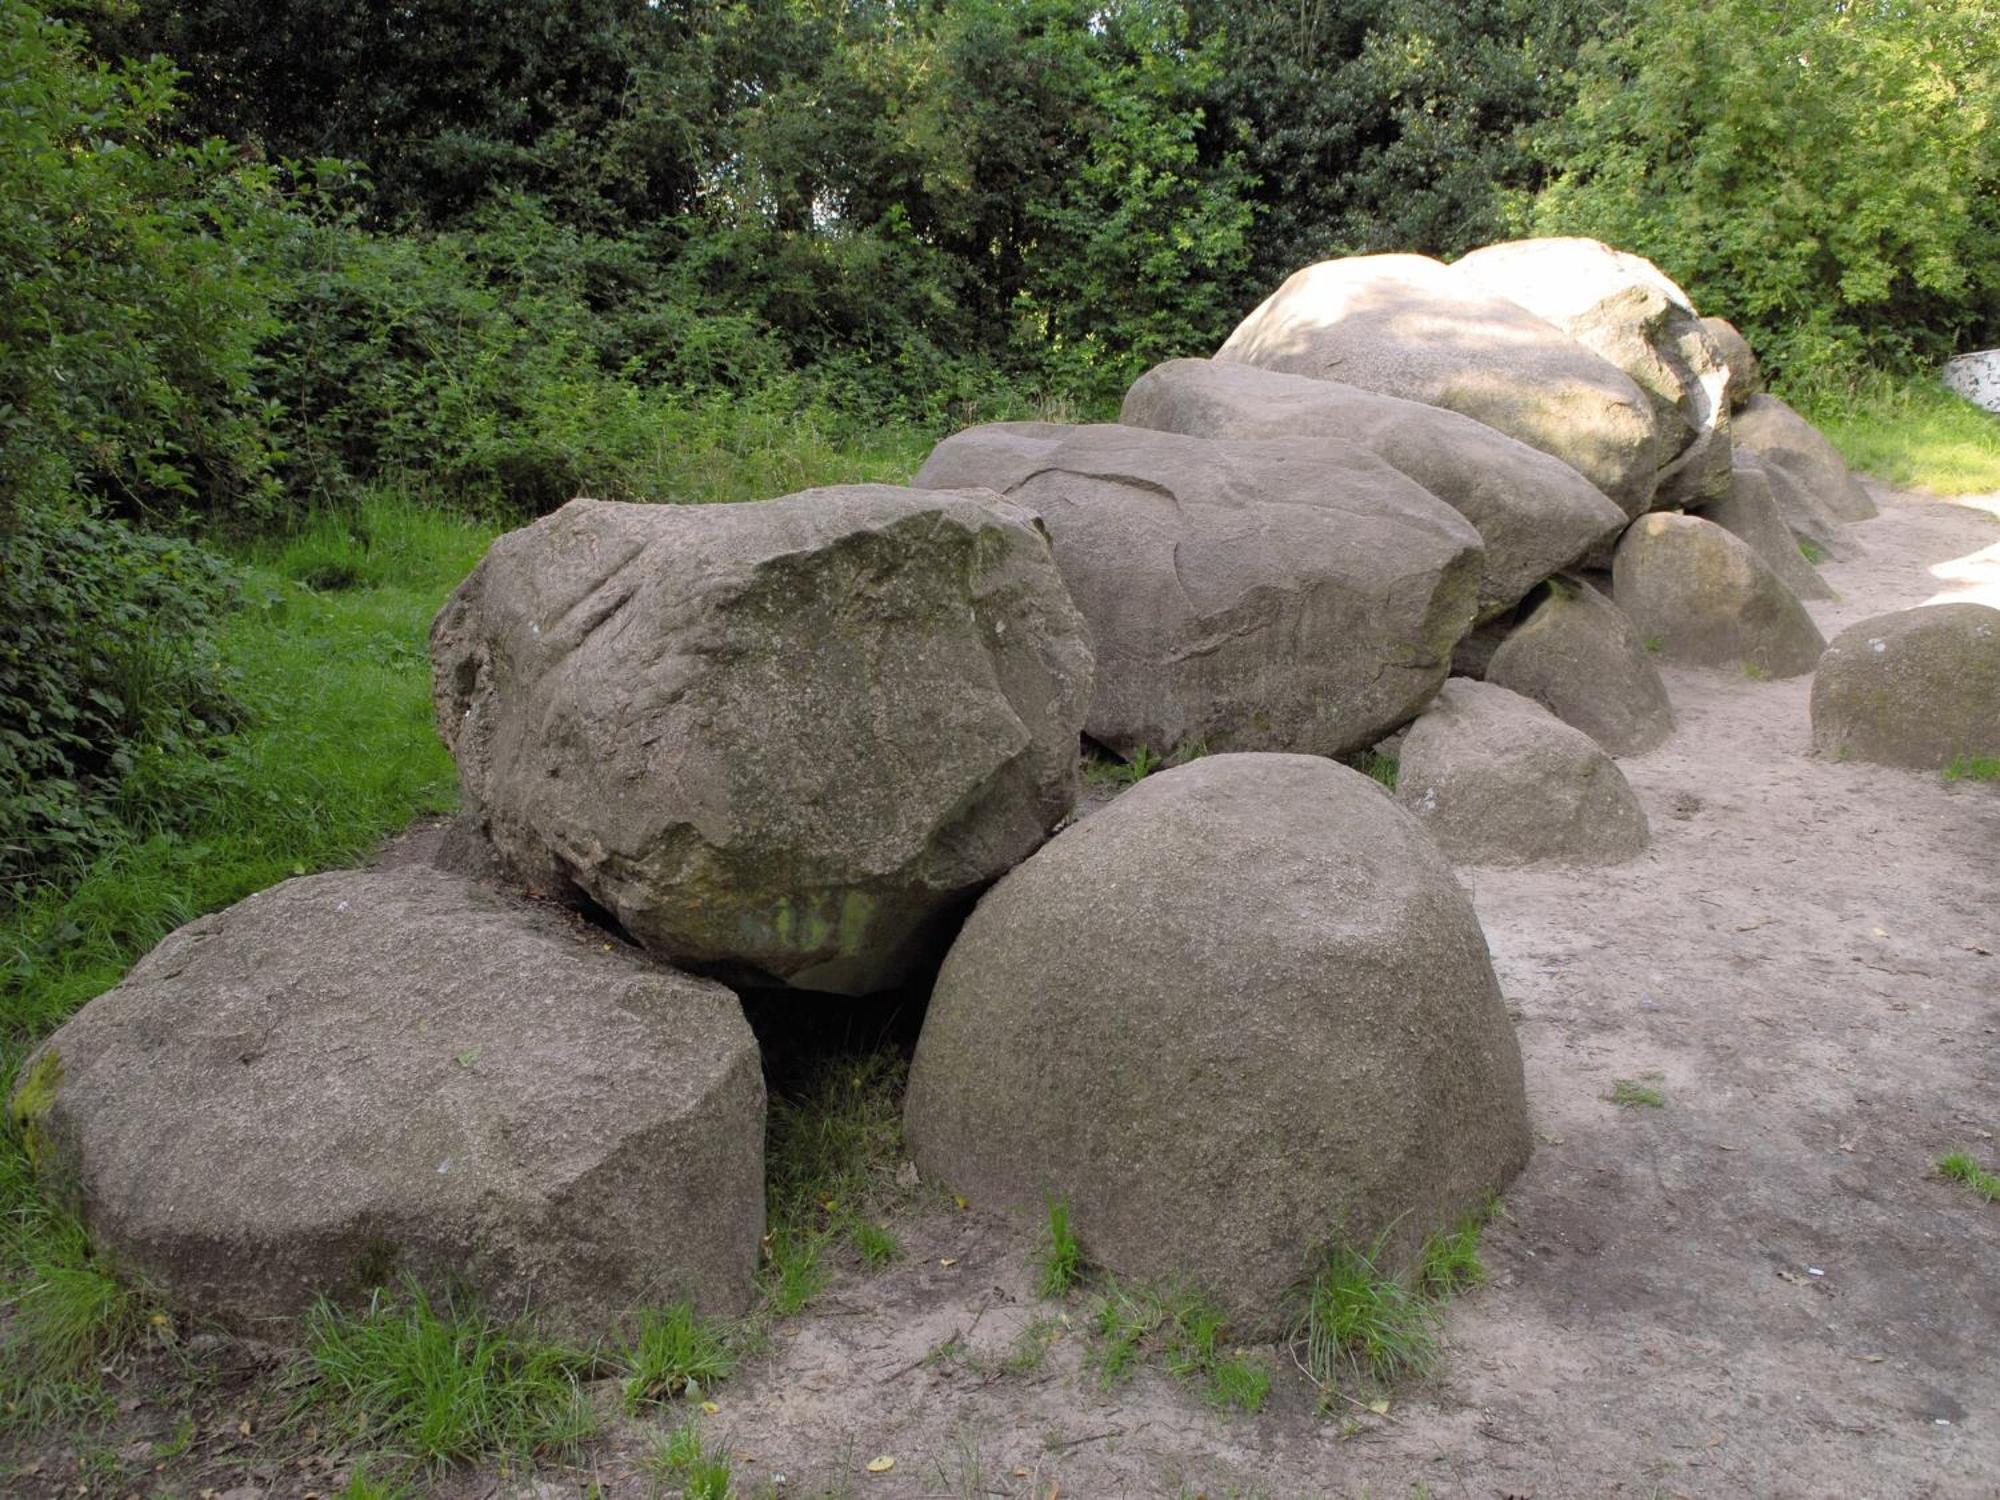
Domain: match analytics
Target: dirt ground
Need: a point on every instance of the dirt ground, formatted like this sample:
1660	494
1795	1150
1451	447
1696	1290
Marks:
1758	1289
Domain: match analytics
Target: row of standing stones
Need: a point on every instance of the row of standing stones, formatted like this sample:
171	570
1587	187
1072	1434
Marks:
1242	1011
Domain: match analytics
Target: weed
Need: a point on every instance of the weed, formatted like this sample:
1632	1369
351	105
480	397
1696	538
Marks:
361	1485
1642	1092
443	1381
682	1459
1811	551
1755	672
1382	768
1451	1260
877	1243
1059	1264
675	1353
1960	1167
1973	768
1185	1330
1364	1324
794	1270
1653	644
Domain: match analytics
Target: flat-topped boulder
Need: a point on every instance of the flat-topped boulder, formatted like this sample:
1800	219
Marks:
1240	1013
1578	655
1708	600
1750	511
1406	325
1785	440
1917	687
1242	594
1497	779
790	739
1625	308
354	1078
1534	513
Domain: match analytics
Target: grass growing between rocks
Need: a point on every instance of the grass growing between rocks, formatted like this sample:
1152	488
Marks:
1973	768
1908	430
1960	1167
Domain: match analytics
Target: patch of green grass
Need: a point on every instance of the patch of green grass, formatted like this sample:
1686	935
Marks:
361	1485
1755	672
441	1381
1908	430
1451	1261
1185	1331
1973	768
1364	1324
1960	1167
1653	645
1811	551
1032	1344
1108	771
1059	1262
676	1353
1382	768
682	1460
830	1171
1642	1092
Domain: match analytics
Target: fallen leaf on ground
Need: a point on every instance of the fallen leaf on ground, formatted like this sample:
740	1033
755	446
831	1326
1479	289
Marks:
881	1465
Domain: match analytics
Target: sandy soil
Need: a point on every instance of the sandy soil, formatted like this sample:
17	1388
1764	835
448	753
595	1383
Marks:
1759	1289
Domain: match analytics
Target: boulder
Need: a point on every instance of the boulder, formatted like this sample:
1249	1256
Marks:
1535	514
1810	522
1751	512
1786	440
1578	655
1242	1012
1917	687
1623	307
1497	779
1268	594
787	739
1709	600
352	1078
1406	326
1746	376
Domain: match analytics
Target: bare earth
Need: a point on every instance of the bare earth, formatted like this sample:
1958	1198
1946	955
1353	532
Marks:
1760	1289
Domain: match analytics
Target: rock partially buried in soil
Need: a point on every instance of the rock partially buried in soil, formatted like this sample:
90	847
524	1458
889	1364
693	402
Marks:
1579	656
354	1077
1626	309
1750	512
1267	594
1497	779
1242	1012
790	738
1406	326
1534	513
1919	687
1786	440
1709	600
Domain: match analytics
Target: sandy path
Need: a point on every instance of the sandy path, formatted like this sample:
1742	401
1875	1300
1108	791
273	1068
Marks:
1758	1289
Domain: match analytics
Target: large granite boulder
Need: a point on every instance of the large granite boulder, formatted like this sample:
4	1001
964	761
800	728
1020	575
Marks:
1812	525
1535	514
1746	376
1406	325
1240	1013
1917	687
1750	511
1268	594
1578	655
1497	779
1786	440
792	737
1709	600
352	1078
1623	307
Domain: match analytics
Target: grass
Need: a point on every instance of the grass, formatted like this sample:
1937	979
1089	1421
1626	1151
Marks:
1653	645
1382	768
438	1382
683	1461
1363	1324
1973	768
1642	1092
1811	551
1907	430
1059	1263
675	1354
831	1153
1182	1328
1110	772
1960	1167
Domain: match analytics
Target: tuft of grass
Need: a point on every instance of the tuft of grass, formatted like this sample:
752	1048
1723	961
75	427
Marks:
830	1170
1382	768
361	1485
1755	672
1451	1261
1907	429
1059	1263
1973	768
1959	1166
1185	1330
1363	1324
676	1353
1642	1092
1111	772
1653	644
442	1382
1031	1346
1811	551
683	1460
